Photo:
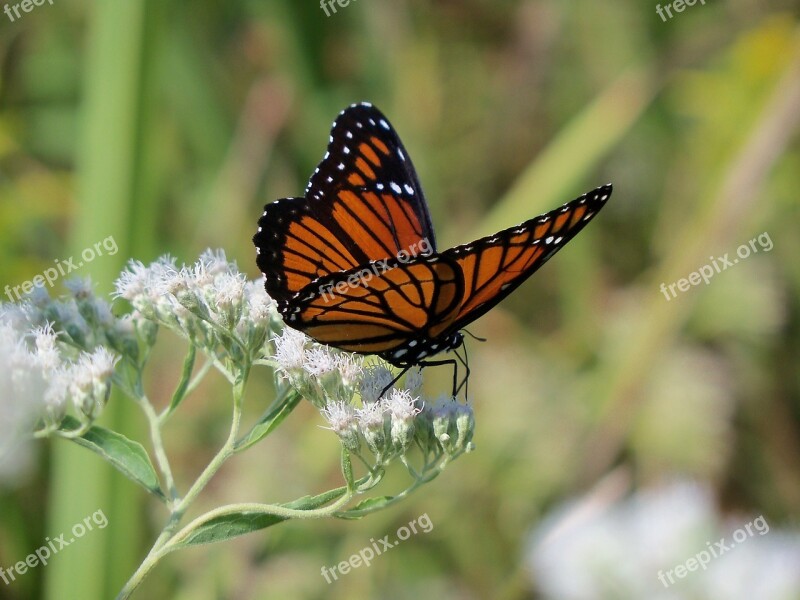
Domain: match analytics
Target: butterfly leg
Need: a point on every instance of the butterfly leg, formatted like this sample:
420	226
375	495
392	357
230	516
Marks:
395	380
464	382
438	363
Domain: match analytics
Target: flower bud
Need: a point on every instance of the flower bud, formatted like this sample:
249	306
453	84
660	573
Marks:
402	408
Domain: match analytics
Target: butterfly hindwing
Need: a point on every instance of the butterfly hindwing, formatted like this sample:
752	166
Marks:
363	202
382	306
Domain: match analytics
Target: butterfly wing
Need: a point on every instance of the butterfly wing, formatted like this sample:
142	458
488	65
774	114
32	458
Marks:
494	266
381	308
364	202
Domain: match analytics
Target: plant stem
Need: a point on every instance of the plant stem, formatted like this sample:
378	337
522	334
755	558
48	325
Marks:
180	505
158	447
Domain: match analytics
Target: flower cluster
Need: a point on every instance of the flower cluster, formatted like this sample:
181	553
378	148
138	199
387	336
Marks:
210	303
45	371
64	352
389	419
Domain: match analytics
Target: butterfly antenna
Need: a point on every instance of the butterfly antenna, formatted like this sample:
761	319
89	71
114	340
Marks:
473	336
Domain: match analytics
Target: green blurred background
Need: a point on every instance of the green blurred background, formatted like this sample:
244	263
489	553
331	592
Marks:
169	124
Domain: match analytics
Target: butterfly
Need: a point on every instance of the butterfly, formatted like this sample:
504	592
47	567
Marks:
353	263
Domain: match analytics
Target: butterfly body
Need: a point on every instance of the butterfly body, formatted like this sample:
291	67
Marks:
354	262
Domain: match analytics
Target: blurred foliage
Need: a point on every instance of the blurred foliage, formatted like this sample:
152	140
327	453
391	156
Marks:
507	108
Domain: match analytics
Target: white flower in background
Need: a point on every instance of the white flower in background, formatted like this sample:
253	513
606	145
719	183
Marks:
603	546
23	386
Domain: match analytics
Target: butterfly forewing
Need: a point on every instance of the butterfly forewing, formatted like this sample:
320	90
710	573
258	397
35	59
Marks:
363	202
492	267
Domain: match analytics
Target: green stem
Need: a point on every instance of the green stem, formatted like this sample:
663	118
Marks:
158	447
180	505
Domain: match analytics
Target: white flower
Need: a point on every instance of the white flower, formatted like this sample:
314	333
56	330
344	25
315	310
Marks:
403	408
46	352
290	350
319	361
344	422
401	405
260	306
606	546
143	286
23	386
214	262
371	416
349	366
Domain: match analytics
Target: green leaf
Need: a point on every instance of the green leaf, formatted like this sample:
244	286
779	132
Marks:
347	469
269	421
225	527
183	384
128	457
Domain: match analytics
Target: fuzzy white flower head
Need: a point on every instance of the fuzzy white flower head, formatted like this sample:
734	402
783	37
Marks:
23	388
349	366
101	363
371	416
228	290
290	348
341	416
260	306
319	361
376	379
401	405
215	262
344	423
143	286
47	353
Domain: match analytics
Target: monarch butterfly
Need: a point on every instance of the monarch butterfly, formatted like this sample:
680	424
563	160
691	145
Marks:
353	263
